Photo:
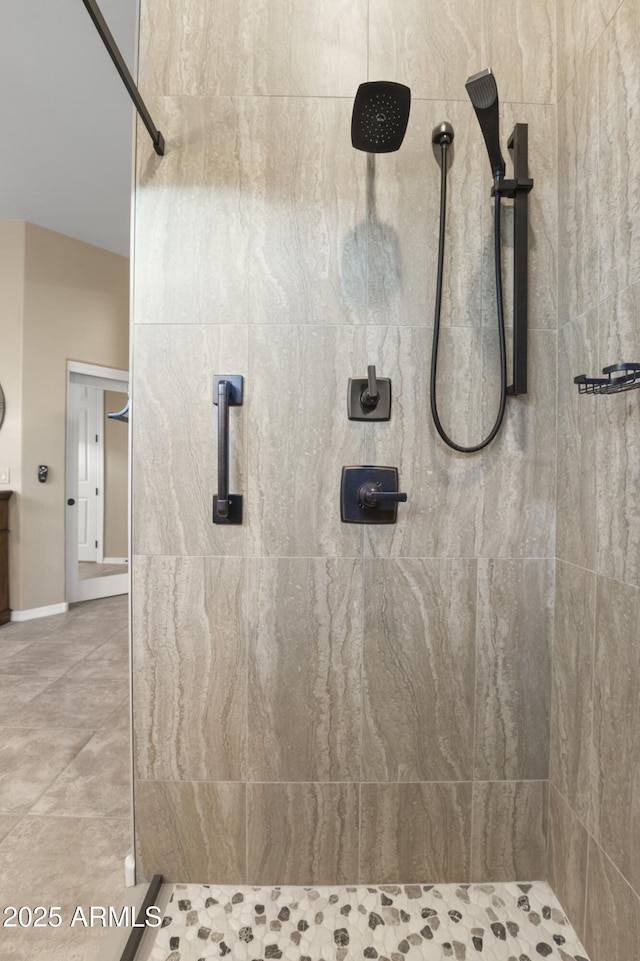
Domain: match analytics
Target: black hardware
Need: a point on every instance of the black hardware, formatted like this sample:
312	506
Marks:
122	415
112	48
369	398
43	471
518	189
380	116
629	380
150	898
71	502
227	392
370	495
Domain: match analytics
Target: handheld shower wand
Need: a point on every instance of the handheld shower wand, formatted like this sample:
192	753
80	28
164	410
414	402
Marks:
483	94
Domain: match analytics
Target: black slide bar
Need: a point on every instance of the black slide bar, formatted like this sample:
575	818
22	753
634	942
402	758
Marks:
132	945
112	48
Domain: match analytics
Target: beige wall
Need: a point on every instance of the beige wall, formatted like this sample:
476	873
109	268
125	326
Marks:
306	690
75	307
116	495
595	749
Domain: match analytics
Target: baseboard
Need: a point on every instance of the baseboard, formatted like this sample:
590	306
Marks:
114	560
35	612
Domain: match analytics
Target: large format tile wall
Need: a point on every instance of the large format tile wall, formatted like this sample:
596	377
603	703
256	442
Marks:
595	753
317	702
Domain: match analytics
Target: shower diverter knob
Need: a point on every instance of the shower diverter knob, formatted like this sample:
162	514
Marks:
370	495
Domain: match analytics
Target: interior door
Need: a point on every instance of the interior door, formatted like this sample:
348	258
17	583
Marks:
87	401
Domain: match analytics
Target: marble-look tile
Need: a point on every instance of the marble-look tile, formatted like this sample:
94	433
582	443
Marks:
568	844
300	438
509	832
30	761
521	49
618	445
189	668
67	862
414	832
616	727
578	233
619	146
302	833
15	692
419	670
542	306
305	642
176	476
192	218
79	792
579	25
431	52
577	422
308	206
7	824
61	657
190	832
519	466
444	488
613	912
572	697
515	624
270	47
75	704
403	222
120	718
109	660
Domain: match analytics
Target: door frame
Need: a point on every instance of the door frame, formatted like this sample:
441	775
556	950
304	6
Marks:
104	378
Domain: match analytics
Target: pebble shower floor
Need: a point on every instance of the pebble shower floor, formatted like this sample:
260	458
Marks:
389	922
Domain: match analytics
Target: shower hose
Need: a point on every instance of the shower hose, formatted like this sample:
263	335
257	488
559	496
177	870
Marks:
438	309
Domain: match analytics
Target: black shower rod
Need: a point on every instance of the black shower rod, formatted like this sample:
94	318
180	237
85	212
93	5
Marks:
114	52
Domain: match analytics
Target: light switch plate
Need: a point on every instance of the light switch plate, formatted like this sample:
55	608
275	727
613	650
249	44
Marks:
5	475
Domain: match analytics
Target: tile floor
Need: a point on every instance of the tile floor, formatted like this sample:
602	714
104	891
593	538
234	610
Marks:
65	825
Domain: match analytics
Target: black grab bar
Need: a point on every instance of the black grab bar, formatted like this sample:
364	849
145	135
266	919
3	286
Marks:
227	392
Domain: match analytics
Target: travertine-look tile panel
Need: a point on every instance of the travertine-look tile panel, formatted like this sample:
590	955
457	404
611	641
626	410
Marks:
305	643
308	207
521	50
432	54
300	438
519	467
572	698
189	667
619	146
577	423
578	188
579	26
186	829
302	833
193	217
515	622
414	831
269	47
175	438
509	830
618	445
616	727
613	912
419	669
568	849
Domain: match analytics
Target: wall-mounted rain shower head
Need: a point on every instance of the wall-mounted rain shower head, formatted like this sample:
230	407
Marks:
483	93
380	116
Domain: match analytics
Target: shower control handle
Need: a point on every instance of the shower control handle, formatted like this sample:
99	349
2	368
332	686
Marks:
370	395
370	496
